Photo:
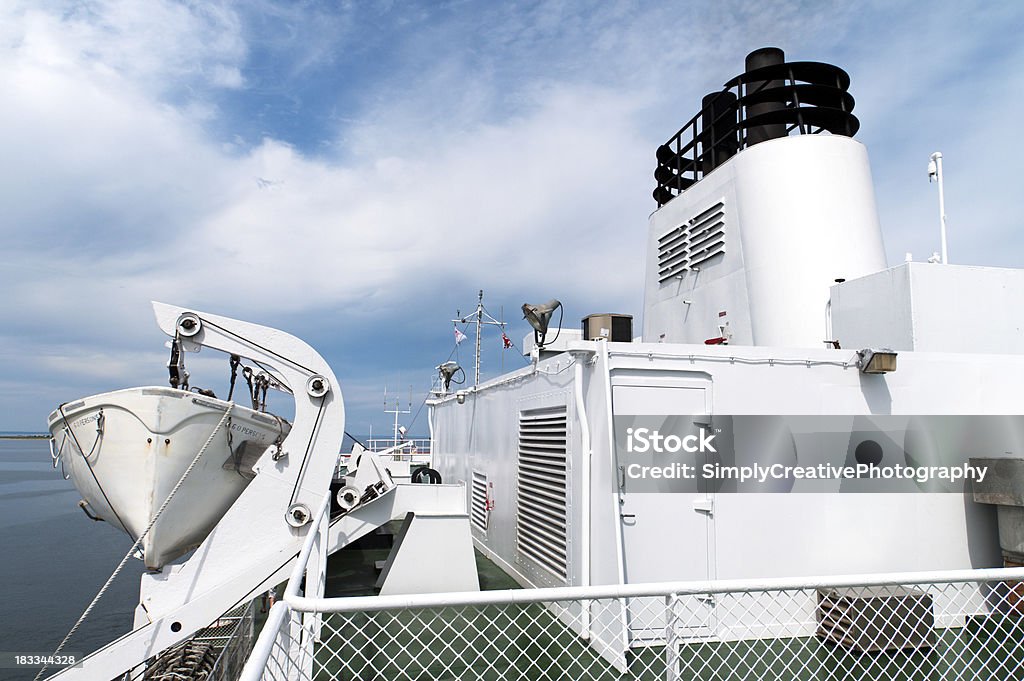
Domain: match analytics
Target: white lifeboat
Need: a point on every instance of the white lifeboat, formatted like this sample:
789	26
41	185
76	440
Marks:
126	450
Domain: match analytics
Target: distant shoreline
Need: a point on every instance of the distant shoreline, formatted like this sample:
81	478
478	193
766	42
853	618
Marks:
26	436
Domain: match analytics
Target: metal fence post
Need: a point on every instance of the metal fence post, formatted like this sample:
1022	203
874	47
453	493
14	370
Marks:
671	639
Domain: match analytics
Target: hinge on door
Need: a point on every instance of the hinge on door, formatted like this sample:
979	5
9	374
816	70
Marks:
704	506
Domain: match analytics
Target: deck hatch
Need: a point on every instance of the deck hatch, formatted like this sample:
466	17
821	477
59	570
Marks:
479	511
541	498
695	241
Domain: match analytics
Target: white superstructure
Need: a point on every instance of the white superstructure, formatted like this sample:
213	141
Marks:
766	277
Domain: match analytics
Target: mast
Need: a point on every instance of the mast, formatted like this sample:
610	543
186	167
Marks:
396	411
479	321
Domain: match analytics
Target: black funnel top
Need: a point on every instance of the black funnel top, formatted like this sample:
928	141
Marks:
765	58
772	98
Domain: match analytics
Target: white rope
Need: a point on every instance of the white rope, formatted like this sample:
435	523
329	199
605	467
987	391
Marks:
142	536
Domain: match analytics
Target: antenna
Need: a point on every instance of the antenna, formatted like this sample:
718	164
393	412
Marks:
935	173
398	432
480	319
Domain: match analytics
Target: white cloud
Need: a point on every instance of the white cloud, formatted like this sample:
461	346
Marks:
473	205
509	150
160	46
116	197
226	76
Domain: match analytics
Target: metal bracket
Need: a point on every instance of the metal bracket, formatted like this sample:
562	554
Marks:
706	505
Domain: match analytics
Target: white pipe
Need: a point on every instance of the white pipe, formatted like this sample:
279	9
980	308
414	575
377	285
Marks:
585	490
828	320
692	588
430	426
937	159
740	359
616	493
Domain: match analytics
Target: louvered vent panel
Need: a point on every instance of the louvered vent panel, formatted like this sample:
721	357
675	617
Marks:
541	500
478	507
697	240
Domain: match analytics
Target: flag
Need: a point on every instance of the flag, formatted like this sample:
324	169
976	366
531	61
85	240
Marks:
506	341
459	336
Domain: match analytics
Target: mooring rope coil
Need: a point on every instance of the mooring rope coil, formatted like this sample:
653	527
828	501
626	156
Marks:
138	542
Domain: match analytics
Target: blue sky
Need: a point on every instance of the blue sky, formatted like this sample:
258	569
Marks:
354	172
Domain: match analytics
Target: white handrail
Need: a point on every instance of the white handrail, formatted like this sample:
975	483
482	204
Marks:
264	646
295	579
572	593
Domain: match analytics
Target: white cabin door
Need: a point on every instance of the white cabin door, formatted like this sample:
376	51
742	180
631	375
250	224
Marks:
667	523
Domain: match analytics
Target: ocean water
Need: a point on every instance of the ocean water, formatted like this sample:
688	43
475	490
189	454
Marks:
53	561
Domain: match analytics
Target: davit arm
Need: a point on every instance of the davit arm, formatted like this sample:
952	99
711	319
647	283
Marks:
261	534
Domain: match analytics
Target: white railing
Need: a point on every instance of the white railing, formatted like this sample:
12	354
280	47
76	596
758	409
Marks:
281	650
232	635
415	451
935	625
419	445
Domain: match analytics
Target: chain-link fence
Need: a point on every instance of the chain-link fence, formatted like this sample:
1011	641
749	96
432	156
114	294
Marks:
964	625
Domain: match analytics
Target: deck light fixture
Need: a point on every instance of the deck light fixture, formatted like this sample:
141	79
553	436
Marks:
880	361
447	371
539	316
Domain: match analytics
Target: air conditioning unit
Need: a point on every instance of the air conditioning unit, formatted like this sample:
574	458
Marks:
872	619
617	328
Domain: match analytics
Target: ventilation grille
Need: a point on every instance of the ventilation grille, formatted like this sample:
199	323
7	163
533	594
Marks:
692	243
478	511
541	500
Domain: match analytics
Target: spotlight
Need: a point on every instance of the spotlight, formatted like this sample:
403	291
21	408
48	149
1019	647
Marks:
539	316
447	371
880	361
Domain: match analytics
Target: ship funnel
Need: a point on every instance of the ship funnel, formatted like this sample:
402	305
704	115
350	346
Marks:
763	202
